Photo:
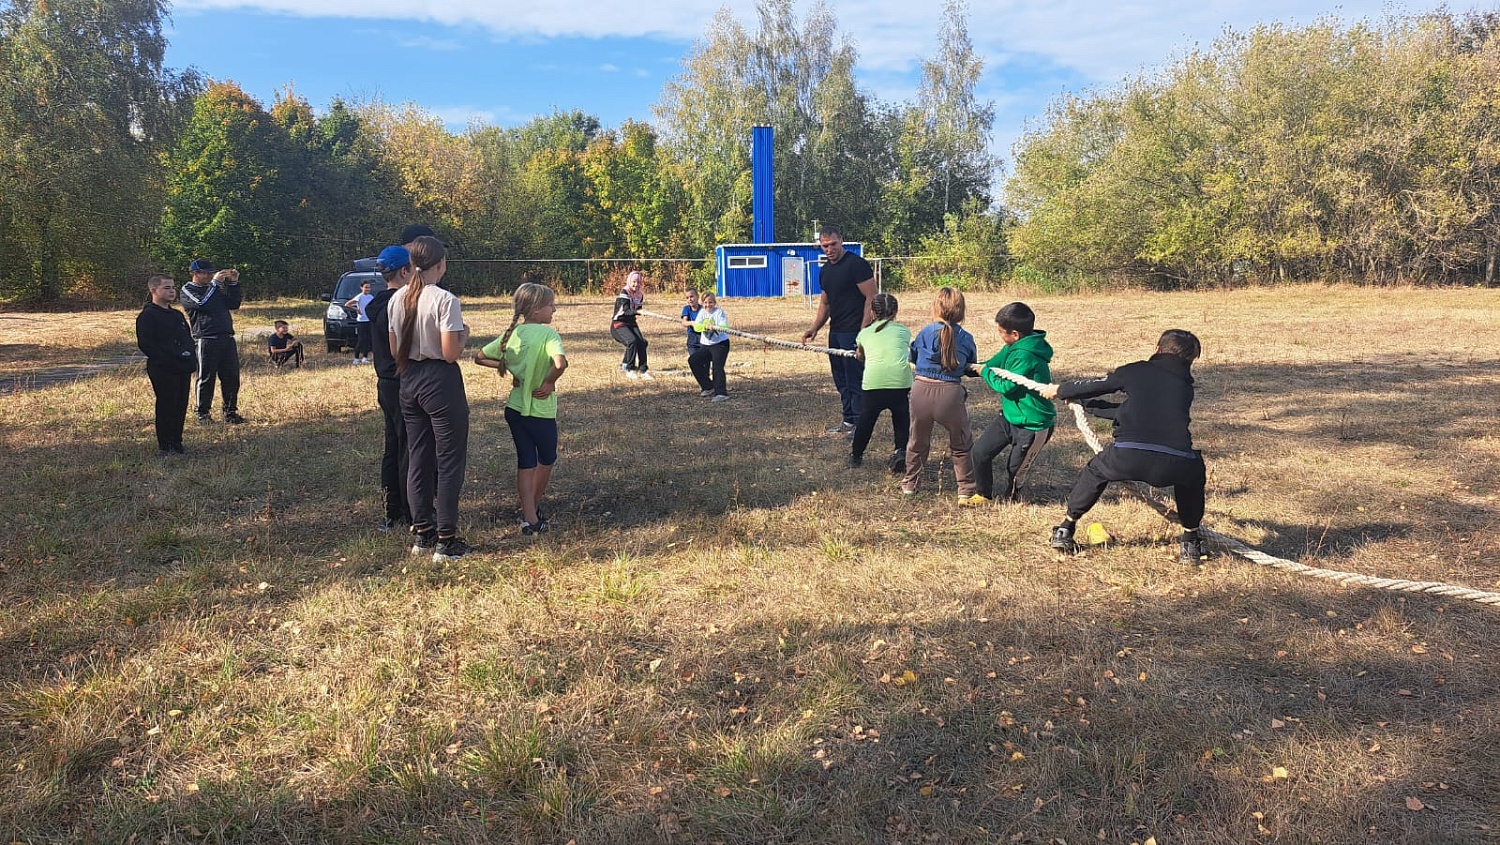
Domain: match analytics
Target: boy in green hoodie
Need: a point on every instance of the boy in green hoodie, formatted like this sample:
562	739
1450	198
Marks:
1025	420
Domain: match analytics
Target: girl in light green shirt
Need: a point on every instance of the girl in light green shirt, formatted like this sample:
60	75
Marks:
885	347
531	353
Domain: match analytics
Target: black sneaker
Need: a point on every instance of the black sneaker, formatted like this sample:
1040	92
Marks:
1062	538
1191	551
542	524
856	461
529	530
233	418
450	548
897	461
424	542
204	419
178	449
842	428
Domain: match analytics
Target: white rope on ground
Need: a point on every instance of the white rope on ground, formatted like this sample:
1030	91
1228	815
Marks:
1256	556
785	344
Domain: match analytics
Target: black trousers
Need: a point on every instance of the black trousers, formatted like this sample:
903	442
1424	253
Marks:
1186	476
218	357
436	413
394	458
362	339
280	357
1024	444
635	347
699	362
895	400
171	405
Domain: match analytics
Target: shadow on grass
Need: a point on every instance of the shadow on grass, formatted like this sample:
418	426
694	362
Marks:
1166	717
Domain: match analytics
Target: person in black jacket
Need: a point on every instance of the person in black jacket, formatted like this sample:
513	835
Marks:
162	334
209	298
394	263
1152	441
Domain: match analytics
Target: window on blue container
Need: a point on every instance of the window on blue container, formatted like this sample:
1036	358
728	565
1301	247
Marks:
747	262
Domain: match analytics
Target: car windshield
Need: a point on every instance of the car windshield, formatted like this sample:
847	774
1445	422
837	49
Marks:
348	287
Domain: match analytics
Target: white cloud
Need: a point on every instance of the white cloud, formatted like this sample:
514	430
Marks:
1097	39
1033	49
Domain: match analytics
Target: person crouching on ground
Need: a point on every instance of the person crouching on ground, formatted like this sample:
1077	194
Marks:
531	353
282	346
162	333
1152	441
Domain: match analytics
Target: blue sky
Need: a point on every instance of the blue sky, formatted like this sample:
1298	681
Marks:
503	62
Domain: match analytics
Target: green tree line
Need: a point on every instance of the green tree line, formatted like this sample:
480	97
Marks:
1368	153
112	165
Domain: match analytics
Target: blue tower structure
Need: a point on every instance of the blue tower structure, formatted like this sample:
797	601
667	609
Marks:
764	267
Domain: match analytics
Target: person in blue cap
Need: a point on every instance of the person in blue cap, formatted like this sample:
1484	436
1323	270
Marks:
209	300
394	263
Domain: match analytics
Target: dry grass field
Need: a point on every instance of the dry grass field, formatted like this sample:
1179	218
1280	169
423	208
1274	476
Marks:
730	636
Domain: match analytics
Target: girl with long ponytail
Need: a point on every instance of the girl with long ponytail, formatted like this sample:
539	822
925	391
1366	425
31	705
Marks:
943	352
531	353
427	334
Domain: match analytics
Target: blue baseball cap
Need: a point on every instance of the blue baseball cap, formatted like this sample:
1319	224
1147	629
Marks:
392	258
201	265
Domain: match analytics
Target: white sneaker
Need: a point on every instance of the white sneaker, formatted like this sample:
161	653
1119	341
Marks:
646	376
720	398
631	374
705	393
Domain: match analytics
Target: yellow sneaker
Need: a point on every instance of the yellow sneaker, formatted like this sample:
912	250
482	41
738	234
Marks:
974	501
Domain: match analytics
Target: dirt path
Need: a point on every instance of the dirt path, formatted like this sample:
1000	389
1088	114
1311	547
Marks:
51	376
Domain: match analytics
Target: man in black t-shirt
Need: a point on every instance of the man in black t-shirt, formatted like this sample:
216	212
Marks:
848	286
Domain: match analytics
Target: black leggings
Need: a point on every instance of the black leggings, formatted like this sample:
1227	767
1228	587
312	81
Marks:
635	347
895	400
1186	476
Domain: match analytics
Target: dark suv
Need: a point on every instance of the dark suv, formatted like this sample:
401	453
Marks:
338	321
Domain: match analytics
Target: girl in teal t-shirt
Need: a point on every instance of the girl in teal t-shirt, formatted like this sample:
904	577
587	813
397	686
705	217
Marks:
531	353
885	347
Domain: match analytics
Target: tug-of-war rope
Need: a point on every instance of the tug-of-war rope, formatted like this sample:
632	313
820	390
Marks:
1257	556
771	341
1145	494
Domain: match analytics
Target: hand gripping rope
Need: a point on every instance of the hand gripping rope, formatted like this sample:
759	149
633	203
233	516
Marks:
1256	556
785	344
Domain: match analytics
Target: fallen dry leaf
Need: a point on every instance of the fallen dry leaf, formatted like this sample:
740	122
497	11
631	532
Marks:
1415	804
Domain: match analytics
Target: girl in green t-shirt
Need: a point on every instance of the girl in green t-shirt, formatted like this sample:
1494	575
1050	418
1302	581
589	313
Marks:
531	353
885	347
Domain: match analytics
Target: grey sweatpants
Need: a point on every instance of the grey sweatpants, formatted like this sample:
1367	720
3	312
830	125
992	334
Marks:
940	402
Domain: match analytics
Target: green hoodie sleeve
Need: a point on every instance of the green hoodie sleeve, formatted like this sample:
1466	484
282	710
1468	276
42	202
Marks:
1005	360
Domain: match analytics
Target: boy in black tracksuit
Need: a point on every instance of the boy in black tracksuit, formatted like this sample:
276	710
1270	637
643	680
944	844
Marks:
162	334
209	298
1152	441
